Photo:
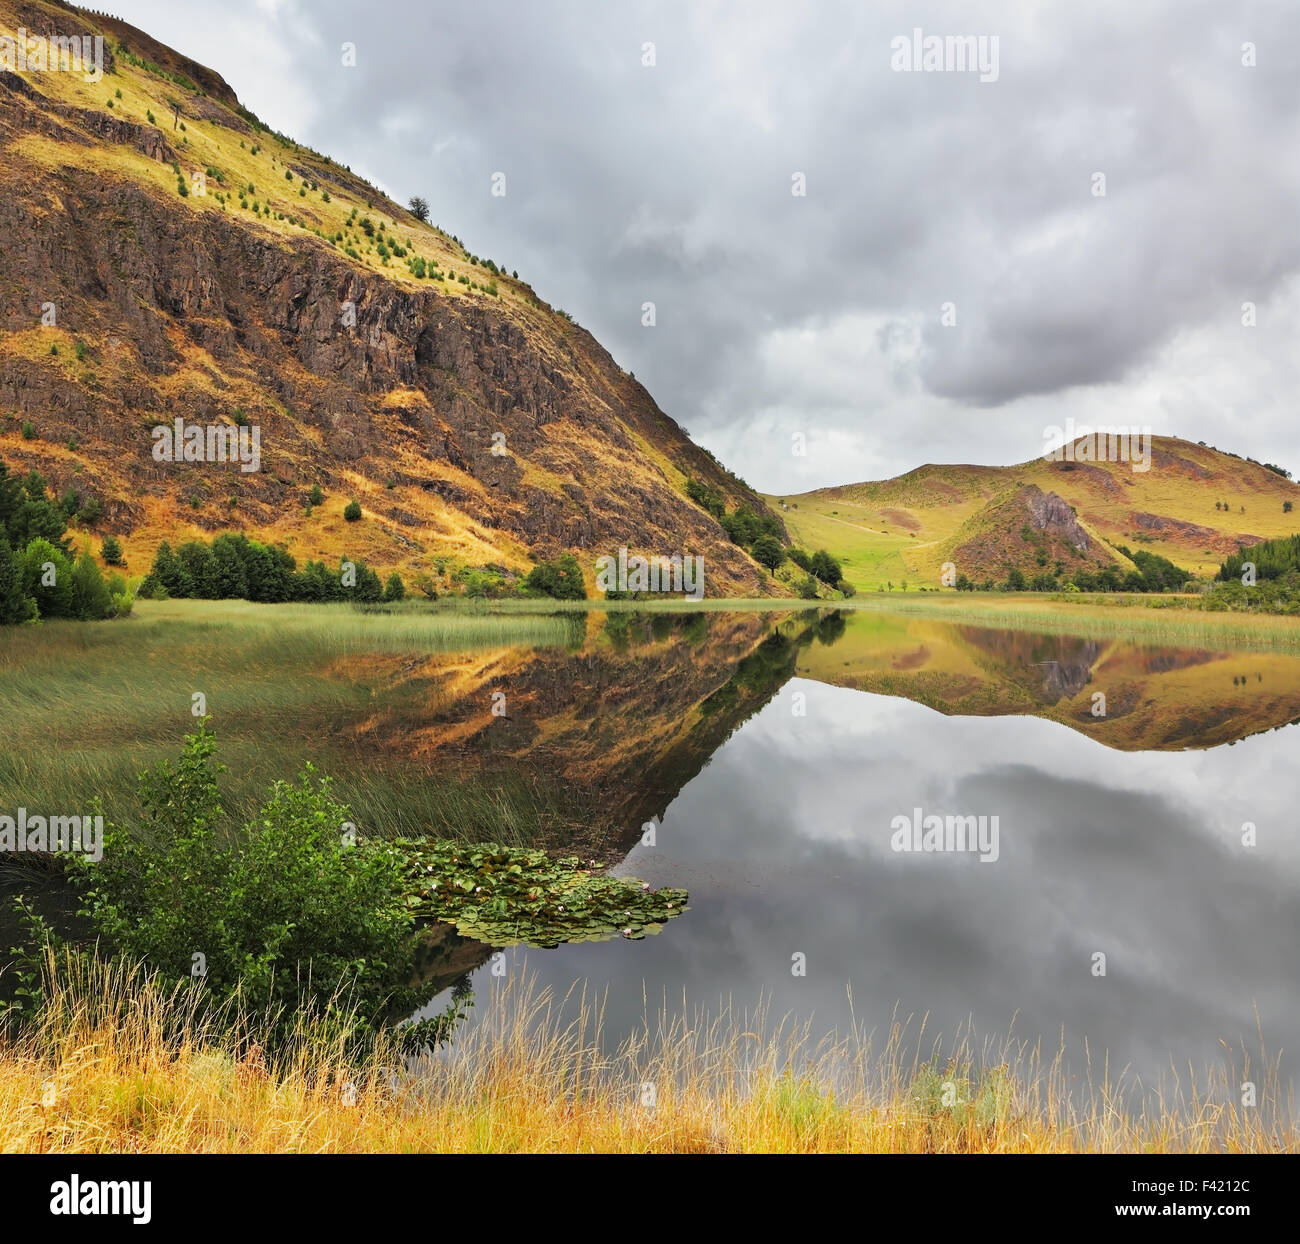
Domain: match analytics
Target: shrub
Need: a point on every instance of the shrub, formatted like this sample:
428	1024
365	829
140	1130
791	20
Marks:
91	599
286	910
560	579
825	568
767	551
111	551
16	606
353	511
47	580
394	589
29	432
316	497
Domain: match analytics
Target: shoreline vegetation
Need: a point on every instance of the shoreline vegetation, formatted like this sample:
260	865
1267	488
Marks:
1175	620
120	1062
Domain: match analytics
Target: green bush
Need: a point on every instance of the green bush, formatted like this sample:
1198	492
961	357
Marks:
560	579
767	551
287	911
16	606
824	567
352	512
316	497
111	551
394	589
47	579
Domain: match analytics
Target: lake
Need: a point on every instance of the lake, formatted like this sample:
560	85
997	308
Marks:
1137	802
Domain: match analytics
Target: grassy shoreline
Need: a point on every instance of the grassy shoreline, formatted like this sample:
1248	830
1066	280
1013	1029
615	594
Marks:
119	1063
1114	615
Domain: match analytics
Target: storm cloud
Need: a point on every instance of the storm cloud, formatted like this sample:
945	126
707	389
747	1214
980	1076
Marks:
950	283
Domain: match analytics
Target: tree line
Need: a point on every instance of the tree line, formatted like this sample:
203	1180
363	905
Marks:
234	567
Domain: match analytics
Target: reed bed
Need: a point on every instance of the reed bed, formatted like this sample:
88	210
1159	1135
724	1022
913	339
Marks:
88	706
120	1063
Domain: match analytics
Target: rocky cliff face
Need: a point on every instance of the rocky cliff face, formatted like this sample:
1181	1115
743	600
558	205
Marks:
468	417
1054	516
1026	529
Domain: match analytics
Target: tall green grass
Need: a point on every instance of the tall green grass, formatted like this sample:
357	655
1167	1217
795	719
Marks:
84	708
1140	621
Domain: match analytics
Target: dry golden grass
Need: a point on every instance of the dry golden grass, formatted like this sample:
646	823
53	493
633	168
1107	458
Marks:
120	1064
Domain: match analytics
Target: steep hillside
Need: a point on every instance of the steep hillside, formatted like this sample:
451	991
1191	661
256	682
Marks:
170	257
1194	505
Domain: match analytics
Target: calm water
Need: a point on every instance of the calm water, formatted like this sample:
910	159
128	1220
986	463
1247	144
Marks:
783	839
773	754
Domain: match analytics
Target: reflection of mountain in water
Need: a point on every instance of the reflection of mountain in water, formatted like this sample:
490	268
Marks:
603	737
1048	667
1128	697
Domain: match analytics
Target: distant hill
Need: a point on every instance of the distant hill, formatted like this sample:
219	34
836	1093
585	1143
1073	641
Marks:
170	256
1194	506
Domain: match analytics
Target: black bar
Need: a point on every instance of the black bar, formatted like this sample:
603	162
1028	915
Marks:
445	1193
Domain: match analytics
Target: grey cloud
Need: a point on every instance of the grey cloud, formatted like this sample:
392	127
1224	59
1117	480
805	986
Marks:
672	184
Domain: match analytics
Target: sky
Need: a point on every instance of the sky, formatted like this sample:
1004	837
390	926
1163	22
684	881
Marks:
857	264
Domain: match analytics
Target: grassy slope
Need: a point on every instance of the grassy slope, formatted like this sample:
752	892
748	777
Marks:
905	528
111	365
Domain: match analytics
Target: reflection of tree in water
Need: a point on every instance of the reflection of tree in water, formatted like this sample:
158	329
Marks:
830	627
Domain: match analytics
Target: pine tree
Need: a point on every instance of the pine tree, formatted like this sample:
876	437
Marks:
15	605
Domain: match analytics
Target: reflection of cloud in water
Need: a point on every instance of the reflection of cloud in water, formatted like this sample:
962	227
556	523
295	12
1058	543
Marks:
783	841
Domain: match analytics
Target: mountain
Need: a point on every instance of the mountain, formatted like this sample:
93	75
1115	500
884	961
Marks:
171	257
1193	505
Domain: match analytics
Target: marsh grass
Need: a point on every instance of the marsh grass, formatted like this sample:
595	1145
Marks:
1149	619
87	707
1141	620
119	1062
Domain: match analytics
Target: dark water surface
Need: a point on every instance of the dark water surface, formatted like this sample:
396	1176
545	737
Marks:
1133	849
